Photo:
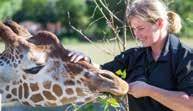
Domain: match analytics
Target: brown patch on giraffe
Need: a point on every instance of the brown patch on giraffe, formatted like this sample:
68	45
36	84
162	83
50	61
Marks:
69	91
78	81
14	91
15	65
74	68
69	82
68	100
20	92
84	81
47	84
7	88
57	90
8	96
89	99
51	104
26	90
34	86
24	77
48	95
36	98
26	103
80	92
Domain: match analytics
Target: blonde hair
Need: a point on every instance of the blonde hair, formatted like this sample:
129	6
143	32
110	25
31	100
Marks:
152	10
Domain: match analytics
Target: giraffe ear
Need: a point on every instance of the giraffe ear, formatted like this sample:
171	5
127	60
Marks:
18	29
44	38
7	34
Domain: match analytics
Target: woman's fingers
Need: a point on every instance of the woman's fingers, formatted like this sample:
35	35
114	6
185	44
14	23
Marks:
77	56
71	53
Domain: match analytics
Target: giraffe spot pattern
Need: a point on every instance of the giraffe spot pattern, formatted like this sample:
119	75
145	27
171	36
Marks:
24	77
36	98
69	82
26	90
34	86
8	96
14	91
73	68
26	103
47	84
69	91
20	92
80	92
68	100
57	90
78	81
7	88
48	95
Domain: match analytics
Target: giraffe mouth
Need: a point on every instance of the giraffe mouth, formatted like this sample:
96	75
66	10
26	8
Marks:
33	70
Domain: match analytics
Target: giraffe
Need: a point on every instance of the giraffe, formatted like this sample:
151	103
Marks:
36	71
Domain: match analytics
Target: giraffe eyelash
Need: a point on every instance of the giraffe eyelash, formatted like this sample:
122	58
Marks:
33	70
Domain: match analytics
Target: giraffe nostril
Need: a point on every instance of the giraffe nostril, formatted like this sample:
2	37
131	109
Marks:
107	76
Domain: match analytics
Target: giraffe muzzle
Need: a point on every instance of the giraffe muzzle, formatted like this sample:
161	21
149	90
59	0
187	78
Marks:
106	81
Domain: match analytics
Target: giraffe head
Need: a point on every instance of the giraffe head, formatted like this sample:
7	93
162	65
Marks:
40	66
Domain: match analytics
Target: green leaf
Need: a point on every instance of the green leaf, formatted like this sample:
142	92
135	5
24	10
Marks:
113	102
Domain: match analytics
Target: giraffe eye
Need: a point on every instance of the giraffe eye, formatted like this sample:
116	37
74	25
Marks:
33	70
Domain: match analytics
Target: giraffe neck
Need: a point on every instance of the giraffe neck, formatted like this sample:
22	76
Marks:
9	60
8	91
10	57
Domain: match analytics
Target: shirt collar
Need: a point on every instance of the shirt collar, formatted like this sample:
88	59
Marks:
165	51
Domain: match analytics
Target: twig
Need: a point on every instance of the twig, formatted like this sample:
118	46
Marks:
90	41
110	12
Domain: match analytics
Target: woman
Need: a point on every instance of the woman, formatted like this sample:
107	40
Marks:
160	74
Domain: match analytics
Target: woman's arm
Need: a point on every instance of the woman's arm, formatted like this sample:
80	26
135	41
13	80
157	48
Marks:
178	101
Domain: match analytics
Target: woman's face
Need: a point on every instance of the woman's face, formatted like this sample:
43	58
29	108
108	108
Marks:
147	33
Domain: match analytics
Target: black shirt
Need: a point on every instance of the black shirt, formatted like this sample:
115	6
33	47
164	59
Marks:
172	71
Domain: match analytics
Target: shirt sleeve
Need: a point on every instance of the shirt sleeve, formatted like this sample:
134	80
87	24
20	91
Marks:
127	65
185	73
118	65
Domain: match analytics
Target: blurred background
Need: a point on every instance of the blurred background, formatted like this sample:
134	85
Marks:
94	27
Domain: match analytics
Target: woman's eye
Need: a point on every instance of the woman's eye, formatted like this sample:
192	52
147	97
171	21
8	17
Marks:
140	28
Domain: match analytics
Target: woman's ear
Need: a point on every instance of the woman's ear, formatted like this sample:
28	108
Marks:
160	22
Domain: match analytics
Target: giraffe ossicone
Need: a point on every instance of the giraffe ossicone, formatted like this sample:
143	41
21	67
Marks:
35	70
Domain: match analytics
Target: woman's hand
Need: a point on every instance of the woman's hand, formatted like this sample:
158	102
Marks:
139	89
77	56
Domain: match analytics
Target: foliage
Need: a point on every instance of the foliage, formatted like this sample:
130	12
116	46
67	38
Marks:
9	7
185	10
41	11
102	103
78	17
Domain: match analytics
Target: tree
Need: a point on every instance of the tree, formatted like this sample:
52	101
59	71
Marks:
184	9
9	7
